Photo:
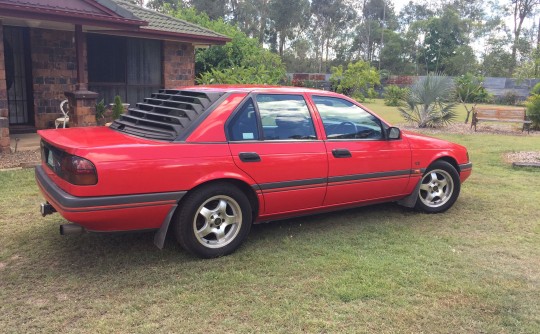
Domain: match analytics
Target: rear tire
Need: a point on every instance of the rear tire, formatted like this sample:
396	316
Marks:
213	220
439	189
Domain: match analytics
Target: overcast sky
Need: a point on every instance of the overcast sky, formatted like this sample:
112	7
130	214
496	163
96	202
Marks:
398	4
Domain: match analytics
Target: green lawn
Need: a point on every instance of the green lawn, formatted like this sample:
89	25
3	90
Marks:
379	269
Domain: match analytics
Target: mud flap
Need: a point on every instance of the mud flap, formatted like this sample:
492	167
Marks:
159	237
410	201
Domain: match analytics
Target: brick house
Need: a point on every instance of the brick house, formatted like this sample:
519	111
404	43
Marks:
87	50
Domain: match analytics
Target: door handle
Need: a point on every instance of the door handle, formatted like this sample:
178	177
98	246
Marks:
341	153
249	157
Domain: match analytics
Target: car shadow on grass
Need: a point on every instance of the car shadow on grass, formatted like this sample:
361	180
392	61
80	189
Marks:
96	253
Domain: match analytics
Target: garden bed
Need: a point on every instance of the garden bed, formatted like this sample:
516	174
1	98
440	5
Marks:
20	159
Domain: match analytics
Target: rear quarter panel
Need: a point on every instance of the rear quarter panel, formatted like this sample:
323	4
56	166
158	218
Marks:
132	165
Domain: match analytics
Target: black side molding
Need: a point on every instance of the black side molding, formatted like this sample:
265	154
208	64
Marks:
69	201
465	166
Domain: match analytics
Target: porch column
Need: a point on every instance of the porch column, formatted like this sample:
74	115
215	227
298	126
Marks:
4	112
82	102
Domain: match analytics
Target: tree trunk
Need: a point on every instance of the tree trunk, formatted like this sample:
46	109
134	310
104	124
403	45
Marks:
520	13
513	61
468	115
234	10
326	60
262	26
281	43
537	52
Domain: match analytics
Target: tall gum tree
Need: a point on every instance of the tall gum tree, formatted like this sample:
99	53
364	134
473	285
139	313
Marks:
521	10
286	16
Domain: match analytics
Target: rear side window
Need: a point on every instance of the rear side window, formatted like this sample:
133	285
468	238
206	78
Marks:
345	120
244	125
281	117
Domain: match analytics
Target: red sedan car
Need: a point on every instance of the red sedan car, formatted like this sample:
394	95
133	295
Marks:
206	162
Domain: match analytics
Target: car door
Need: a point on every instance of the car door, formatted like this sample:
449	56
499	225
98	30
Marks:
363	164
272	138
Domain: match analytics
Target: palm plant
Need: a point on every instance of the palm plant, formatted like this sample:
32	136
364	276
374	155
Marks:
429	102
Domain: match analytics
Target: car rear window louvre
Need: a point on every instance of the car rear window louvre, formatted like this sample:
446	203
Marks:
166	114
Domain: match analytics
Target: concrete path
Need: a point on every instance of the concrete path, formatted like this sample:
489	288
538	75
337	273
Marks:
25	142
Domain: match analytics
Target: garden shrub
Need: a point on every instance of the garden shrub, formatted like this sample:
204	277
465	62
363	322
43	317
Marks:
510	98
357	81
533	110
430	102
241	61
118	107
470	89
536	89
394	95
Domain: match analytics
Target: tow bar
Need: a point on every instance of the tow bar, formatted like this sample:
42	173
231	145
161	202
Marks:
46	209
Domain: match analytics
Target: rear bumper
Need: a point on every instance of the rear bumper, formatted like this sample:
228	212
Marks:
109	213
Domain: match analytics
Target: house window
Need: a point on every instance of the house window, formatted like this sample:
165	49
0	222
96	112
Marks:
129	67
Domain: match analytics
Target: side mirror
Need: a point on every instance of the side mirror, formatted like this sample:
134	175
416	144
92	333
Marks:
393	133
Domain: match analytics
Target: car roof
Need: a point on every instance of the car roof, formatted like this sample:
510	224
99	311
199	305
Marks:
256	88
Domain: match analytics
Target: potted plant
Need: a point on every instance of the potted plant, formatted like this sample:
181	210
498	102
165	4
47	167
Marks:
100	112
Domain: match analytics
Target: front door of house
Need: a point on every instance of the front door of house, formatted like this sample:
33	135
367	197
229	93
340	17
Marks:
18	76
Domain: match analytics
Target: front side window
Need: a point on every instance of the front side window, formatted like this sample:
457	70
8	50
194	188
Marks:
345	120
285	117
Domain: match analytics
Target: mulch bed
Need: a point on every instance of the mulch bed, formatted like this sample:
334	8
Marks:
20	159
509	129
26	159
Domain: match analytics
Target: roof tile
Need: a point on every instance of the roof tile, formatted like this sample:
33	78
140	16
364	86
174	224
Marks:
161	22
62	5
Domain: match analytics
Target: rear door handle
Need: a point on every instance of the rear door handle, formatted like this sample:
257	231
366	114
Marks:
341	153
249	157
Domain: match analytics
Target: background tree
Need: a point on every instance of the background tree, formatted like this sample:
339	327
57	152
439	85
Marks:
377	19
444	36
242	59
497	59
426	36
137	2
287	16
521	10
163	5
330	18
251	16
215	9
395	55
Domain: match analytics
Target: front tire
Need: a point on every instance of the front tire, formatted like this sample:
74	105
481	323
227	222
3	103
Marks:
439	188
213	220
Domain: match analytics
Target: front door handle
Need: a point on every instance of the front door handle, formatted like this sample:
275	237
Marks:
249	157
341	153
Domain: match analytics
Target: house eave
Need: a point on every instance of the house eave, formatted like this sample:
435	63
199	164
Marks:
166	35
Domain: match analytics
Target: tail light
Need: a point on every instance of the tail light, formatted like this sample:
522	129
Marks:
73	169
77	170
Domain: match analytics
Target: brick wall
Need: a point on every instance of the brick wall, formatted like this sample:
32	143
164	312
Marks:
178	64
4	122
54	72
